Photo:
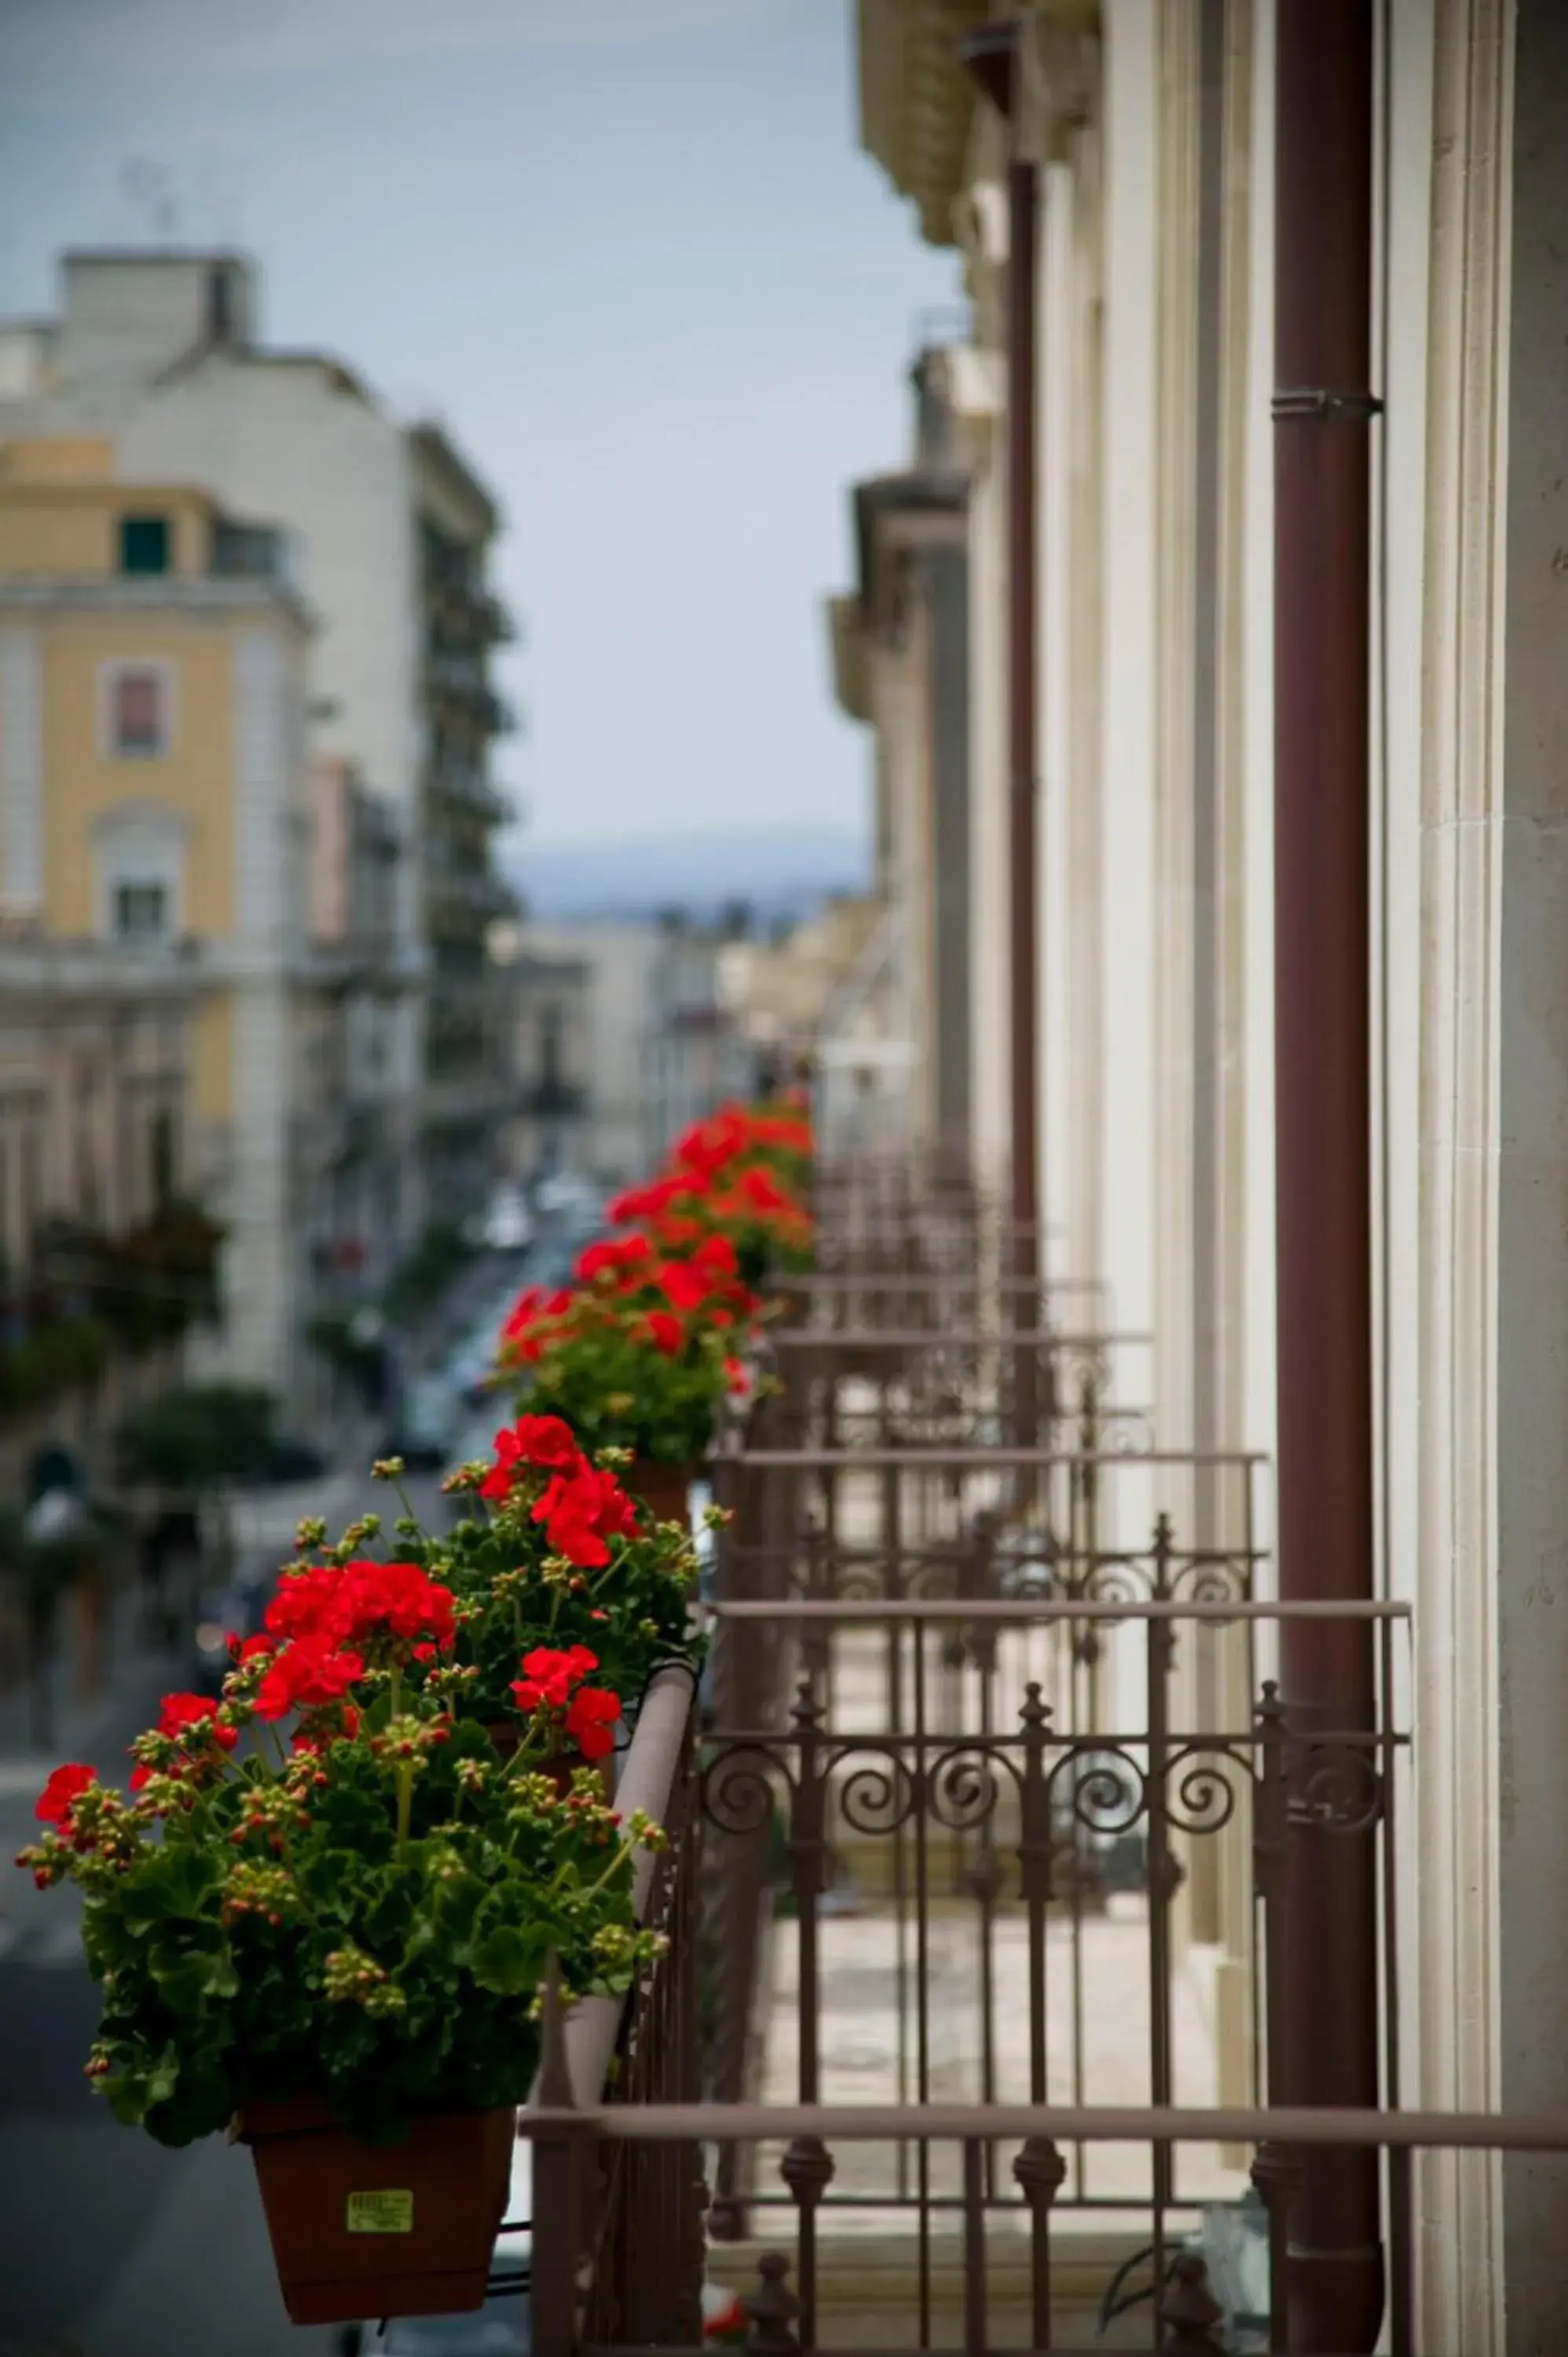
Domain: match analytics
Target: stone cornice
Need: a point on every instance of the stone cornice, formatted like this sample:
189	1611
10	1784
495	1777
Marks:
163	593
917	100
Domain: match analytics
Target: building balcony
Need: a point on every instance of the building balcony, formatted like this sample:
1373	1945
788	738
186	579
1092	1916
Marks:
462	900
468	792
976	1905
461	680
466	610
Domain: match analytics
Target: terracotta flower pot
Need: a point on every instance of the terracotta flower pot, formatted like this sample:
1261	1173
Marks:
380	2230
664	1489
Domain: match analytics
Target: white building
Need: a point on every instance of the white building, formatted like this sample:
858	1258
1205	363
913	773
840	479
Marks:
1151	130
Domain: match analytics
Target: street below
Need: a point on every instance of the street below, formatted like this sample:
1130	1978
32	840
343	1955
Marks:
111	2246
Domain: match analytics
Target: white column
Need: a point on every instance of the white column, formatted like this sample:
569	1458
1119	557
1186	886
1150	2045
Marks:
1128	667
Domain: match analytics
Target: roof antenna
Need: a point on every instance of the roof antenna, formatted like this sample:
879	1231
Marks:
150	193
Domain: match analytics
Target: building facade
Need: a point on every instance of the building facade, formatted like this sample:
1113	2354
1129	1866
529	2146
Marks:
153	795
96	1055
1152	138
901	664
386	531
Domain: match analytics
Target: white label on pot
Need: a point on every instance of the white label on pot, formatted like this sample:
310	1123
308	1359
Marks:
387	2210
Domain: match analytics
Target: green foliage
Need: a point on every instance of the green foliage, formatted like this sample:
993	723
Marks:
201	1438
158	1279
265	1927
617	1391
333	1336
633	1613
440	1255
65	1354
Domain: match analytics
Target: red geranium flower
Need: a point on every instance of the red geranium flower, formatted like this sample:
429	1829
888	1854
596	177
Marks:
532	1310
644	1203
541	1441
61	1793
716	1255
550	1674
400	1600
581	1510
553	1681
180	1712
625	1256
592	1718
666	1332
762	1192
306	1674
676	1228
683	1285
312	1603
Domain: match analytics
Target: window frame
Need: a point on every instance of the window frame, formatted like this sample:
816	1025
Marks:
129	937
139	843
130	520
110	677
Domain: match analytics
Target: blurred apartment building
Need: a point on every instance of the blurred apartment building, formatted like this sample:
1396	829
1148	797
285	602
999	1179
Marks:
384	530
245	717
625	1035
157	830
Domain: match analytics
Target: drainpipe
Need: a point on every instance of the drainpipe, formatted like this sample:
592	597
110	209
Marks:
993	58
1326	2048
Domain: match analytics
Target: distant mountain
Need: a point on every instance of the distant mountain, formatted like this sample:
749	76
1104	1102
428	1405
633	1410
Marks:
779	872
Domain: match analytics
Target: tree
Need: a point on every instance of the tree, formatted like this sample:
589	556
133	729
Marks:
205	1437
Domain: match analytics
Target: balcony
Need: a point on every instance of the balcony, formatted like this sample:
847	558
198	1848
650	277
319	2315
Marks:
970	2029
461	679
467	790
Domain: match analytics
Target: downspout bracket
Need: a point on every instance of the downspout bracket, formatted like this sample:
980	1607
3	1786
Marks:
1322	406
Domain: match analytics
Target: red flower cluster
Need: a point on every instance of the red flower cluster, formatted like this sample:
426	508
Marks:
533	1441
193	1717
666	1289
552	1682
307	1673
720	1176
582	1510
60	1795
581	1506
530	1319
361	1604
323	1624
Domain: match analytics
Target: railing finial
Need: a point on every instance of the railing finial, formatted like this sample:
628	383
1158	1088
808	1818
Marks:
771	2310
1191	2311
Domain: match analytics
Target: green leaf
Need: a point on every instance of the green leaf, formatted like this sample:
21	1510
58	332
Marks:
509	1961
186	1980
173	1882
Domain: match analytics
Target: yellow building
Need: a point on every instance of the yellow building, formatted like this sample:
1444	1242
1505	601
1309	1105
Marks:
154	801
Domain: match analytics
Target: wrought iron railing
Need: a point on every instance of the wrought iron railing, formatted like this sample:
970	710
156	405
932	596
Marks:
1184	2318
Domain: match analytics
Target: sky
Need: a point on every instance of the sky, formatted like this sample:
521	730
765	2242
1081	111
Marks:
630	255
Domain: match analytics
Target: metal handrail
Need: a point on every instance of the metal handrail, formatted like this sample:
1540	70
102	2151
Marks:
646	1782
881	1609
1063	2122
